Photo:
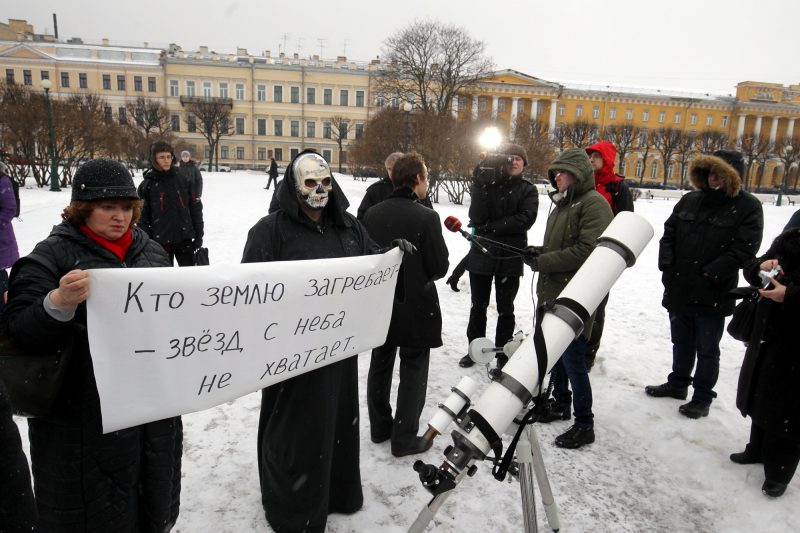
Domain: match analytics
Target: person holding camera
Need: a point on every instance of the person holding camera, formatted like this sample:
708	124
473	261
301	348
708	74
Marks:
769	380
503	208
712	232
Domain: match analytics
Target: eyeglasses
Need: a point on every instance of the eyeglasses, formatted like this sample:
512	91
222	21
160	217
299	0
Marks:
164	157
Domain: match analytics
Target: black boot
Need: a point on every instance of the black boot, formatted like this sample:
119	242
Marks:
465	362
667	390
555	410
575	437
694	409
418	445
747	457
773	489
453	282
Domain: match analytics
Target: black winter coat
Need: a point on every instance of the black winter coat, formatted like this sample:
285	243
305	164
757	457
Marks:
172	212
380	191
416	316
769	382
308	432
190	171
709	236
126	481
502	211
17	507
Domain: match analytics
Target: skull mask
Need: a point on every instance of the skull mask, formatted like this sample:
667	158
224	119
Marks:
313	179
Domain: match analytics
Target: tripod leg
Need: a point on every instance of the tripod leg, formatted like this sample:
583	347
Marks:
549	503
527	488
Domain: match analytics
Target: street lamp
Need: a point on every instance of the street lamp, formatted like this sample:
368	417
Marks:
787	152
407	107
46	84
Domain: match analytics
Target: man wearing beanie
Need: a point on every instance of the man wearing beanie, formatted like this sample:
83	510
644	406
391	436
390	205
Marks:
503	208
580	214
190	171
612	186
712	232
173	213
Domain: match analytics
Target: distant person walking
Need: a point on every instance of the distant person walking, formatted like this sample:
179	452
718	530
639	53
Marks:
273	173
191	172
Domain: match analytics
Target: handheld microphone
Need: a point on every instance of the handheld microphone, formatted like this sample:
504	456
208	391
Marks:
454	225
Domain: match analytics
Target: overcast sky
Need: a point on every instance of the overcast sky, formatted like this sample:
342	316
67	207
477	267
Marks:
700	45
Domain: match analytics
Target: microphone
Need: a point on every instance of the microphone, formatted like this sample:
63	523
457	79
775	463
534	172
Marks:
454	225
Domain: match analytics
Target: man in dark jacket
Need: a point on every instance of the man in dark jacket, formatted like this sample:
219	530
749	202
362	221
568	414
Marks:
308	435
503	208
579	218
273	173
173	212
189	169
712	232
416	324
383	188
614	189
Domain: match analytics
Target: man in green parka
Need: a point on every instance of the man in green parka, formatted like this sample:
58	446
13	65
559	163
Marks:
579	216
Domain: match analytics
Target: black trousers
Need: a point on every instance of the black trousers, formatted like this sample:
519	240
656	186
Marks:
593	344
410	393
272	180
505	290
182	252
780	455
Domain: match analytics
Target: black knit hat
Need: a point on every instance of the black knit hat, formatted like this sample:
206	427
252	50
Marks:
733	158
103	178
514	149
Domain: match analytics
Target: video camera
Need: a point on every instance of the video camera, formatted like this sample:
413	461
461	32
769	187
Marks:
493	168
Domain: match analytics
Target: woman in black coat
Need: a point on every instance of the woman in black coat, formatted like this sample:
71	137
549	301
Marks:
84	480
769	383
17	508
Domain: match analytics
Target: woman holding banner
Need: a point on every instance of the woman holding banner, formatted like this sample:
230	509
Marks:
84	480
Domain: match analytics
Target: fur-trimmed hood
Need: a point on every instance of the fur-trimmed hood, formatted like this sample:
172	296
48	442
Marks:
703	165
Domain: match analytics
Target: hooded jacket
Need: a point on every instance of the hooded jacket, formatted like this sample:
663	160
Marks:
708	238
579	216
608	183
192	174
172	213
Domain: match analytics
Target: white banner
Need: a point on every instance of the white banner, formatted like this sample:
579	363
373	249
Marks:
170	341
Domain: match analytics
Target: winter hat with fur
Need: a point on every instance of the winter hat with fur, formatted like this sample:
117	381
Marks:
160	147
103	178
514	149
727	165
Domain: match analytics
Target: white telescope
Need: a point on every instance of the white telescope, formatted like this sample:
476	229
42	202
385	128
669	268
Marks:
510	392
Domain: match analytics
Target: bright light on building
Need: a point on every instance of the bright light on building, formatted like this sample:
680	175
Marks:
490	138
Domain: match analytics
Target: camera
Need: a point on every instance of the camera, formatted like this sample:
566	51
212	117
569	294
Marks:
766	277
493	168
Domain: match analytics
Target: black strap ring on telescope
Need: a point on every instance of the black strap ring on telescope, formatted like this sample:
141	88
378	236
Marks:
626	253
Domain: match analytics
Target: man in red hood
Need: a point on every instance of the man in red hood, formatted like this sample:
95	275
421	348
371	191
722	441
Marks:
614	189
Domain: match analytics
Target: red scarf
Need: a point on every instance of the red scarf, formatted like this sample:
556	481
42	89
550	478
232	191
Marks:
118	247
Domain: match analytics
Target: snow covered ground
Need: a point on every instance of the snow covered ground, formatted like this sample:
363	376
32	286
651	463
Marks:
650	469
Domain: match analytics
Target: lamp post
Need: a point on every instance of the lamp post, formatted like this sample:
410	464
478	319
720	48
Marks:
787	160
407	107
46	84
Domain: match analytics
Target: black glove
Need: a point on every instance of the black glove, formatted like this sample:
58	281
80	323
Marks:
530	256
198	243
405	246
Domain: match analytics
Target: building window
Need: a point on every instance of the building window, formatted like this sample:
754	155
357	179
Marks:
462	102
638	171
501	105
151	84
622	166
27	77
175	123
10	76
579	110
45	75
262	154
189	88
343	127
83	82
677	117
521	106
685	172
207	151
662	116
191	123
174	90
379	101
326	130
120	82
261	125
724	122
359	131
207	89
122	114
311	95
359	98
562	110
261	93
239	125
596	112
223	125
278	128
693	119
643	138
137	84
224	154
240	152
327	96
240	91
223	90
709	120
669	170
279	154
106	82
65	79
293	152
629	114
294	128
277	94
654	170
326	155
294	95
612	113
311	129
645	115
107	114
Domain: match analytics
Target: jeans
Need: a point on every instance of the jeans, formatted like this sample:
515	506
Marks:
505	288
696	338
571	370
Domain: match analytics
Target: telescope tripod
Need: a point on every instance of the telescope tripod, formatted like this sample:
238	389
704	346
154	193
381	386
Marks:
530	466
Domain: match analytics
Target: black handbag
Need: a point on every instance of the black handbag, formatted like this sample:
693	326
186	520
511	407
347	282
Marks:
744	314
201	257
33	380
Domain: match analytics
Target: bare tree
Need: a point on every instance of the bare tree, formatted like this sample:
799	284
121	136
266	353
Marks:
788	151
532	135
645	144
622	136
340	126
582	133
213	117
428	62
753	148
381	137
561	134
666	141
709	141
687	145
